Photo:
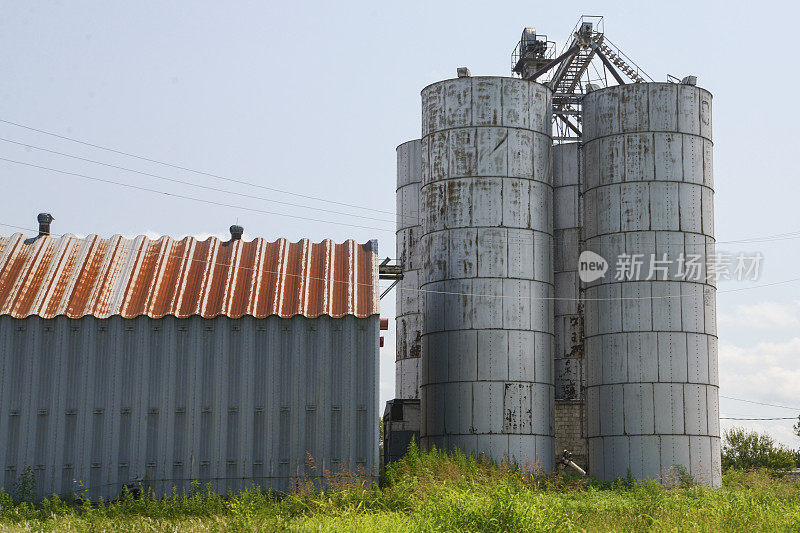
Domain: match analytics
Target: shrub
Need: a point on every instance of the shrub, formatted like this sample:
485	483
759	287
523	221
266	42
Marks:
747	450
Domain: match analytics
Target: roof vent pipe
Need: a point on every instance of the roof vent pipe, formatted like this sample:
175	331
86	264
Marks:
236	232
44	223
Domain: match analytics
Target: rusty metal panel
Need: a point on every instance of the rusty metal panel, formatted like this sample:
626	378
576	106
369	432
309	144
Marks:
611	159
609	216
634	206
492	152
633	107
458	202
520	147
668	156
76	277
487	101
516	108
458	102
639	160
487	202
516	204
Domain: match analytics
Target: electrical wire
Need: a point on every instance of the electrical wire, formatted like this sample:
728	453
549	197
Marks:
778	418
529	242
185	197
189	183
767	238
760	403
187	169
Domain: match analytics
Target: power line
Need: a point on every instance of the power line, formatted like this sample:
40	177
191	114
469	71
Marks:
760	403
765	238
210	202
189	183
187	169
778	418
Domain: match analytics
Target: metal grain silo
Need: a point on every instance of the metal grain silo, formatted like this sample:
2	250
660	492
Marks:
568	357
651	340
409	299
487	379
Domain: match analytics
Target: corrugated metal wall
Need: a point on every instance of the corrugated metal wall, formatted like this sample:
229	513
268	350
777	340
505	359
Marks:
228	401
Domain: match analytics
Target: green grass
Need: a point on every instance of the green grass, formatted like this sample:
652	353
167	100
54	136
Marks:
438	492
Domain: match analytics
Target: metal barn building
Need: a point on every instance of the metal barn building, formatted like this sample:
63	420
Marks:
153	363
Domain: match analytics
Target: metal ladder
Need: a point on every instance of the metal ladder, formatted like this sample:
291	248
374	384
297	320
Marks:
620	63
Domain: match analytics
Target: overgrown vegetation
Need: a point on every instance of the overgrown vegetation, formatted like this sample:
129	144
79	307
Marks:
433	491
744	449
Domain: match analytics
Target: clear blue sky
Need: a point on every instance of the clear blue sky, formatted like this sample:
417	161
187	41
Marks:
314	97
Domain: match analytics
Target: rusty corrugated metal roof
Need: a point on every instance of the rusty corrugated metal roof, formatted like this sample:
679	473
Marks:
72	276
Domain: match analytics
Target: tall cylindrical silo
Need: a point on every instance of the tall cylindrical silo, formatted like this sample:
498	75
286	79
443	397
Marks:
409	299
568	359
487	379
651	342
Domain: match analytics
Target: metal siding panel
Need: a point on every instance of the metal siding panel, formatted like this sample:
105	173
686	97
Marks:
642	357
645	460
688	110
663	102
638	412
633	107
634	207
697	351
672	357
520	146
666	305
487	208
669	408
615	358
515	99
639	159
700	451
463	355
705	114
664	208
695	401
